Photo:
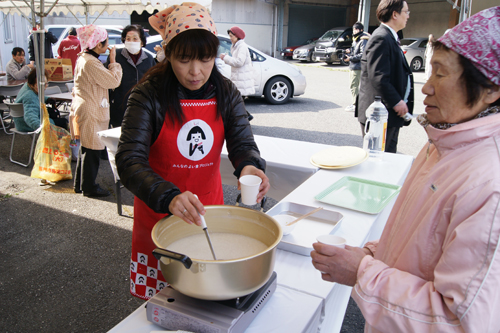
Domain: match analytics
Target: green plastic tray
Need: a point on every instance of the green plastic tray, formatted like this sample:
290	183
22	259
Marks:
359	194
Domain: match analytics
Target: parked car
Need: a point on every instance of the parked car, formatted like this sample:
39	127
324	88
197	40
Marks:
331	46
288	51
61	31
304	53
276	80
414	50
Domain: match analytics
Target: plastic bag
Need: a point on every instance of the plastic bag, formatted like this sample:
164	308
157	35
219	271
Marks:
52	152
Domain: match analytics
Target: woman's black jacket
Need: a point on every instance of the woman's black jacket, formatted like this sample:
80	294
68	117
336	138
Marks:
141	126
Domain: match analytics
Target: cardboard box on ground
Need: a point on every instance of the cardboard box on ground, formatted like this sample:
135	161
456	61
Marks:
59	69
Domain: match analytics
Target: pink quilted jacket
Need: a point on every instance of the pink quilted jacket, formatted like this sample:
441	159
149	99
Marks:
437	264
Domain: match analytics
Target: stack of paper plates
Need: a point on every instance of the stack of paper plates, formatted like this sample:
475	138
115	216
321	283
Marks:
339	157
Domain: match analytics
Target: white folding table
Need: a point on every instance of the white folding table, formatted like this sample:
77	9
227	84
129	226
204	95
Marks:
299	284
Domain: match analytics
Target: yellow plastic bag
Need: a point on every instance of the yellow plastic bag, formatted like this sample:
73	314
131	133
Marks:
52	152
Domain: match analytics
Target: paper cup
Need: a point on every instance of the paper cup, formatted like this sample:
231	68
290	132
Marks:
283	220
332	240
249	189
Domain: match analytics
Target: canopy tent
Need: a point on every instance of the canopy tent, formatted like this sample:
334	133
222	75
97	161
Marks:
32	9
84	7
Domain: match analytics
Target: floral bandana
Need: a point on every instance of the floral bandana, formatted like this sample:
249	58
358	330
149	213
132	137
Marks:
478	40
173	20
91	35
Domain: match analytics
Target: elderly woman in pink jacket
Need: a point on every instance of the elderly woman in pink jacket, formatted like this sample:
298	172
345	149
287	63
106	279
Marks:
436	267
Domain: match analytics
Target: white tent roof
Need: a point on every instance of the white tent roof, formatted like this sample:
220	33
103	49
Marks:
88	6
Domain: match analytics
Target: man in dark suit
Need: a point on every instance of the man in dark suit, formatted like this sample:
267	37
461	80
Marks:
385	72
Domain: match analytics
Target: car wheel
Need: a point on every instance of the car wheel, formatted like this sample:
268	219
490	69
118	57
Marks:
278	90
416	64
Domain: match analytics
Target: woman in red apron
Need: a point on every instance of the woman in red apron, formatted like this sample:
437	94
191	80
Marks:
173	131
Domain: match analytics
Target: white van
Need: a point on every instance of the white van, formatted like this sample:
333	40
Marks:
61	31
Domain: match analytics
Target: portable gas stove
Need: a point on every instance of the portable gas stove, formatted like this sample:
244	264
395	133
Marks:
172	310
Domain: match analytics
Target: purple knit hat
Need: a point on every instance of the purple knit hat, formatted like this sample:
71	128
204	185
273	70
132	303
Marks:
478	40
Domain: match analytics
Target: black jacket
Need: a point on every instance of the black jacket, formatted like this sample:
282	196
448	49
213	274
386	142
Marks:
132	74
141	126
384	72
357	51
49	40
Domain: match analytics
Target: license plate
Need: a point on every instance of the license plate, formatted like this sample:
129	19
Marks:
317	59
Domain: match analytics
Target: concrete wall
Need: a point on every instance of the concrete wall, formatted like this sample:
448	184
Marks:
20	30
479	5
256	18
426	17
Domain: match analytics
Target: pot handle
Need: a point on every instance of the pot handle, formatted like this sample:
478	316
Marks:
262	203
184	259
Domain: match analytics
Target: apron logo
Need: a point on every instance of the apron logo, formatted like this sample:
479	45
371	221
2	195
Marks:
195	140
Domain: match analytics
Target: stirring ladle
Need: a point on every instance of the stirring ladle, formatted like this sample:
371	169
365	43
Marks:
205	229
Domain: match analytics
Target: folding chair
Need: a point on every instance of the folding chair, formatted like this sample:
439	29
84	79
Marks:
52	90
70	86
57	90
4	115
17	110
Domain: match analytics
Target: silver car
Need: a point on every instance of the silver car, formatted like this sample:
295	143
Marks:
414	50
276	80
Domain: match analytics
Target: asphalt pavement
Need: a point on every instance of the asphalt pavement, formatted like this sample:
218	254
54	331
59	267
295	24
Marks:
65	257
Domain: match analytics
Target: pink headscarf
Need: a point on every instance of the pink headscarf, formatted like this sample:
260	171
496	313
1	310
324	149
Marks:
478	40
91	35
175	19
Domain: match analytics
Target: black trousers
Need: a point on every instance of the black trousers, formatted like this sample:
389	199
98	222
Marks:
86	169
391	139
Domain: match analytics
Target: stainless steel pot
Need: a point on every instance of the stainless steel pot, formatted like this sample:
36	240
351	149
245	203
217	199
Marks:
220	279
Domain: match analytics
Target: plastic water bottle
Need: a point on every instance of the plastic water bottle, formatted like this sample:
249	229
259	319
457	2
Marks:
375	129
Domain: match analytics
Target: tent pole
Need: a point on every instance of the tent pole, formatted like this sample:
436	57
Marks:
69	10
105	8
22	14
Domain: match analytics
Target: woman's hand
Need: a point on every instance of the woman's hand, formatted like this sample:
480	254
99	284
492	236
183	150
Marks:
157	48
222	55
112	54
186	206
337	264
264	186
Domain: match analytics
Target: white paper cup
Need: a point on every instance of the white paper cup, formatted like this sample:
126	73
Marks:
332	240
249	189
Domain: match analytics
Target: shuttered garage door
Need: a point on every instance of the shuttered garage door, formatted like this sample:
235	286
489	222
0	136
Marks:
306	22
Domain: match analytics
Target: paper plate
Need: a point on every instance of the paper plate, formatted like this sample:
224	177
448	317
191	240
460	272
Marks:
338	167
339	157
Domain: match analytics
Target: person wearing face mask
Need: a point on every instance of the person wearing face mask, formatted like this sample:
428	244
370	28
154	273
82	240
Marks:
134	64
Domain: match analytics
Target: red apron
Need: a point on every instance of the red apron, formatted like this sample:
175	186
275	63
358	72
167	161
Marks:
187	155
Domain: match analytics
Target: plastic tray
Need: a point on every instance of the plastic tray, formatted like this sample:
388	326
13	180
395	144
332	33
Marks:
300	240
359	194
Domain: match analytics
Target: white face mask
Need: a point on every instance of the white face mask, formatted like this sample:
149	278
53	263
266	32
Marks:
133	47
